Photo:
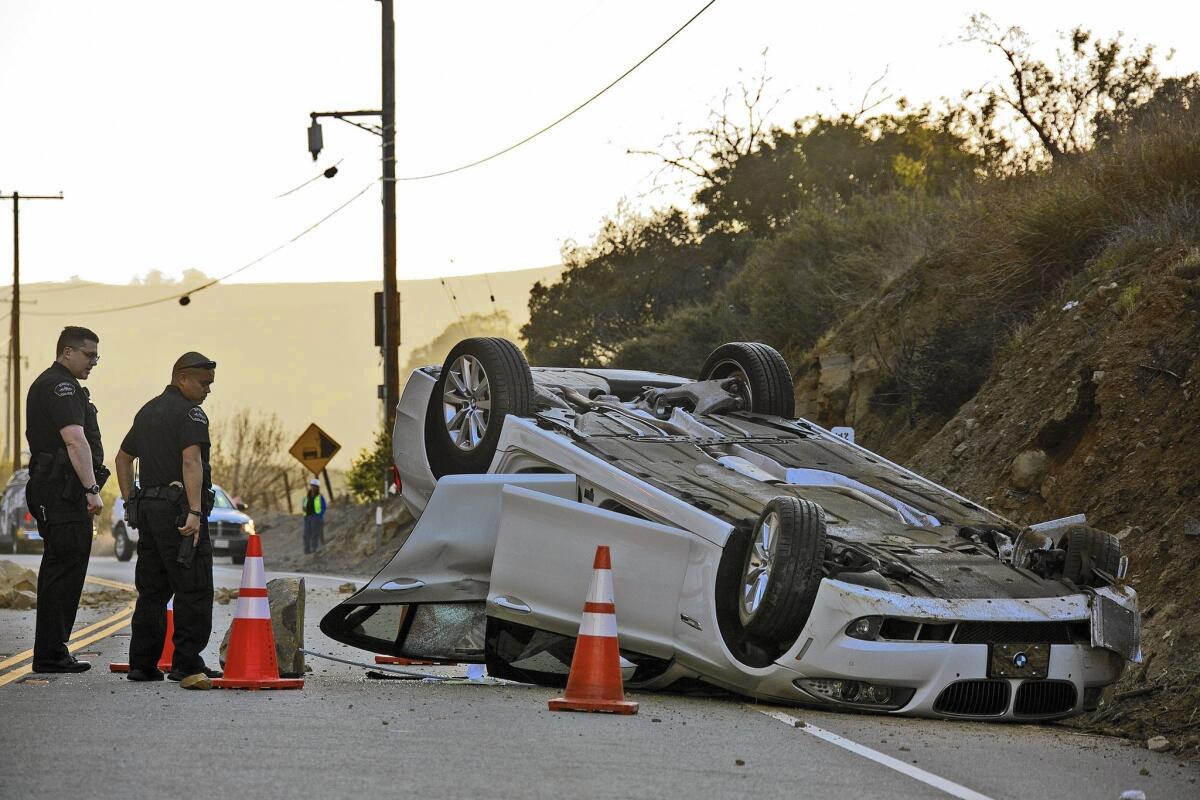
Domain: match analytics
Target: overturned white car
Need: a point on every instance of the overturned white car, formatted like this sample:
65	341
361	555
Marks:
752	552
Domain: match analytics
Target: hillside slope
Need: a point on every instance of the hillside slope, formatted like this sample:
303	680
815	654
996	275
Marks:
1061	326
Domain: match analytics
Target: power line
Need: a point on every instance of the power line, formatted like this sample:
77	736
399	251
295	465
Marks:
214	281
328	172
567	115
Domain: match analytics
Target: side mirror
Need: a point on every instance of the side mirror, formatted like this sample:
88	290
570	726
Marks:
242	506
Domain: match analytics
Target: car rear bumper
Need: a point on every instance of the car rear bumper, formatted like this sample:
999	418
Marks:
28	539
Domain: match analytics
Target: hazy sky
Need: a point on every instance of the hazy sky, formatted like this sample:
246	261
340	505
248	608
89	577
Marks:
171	127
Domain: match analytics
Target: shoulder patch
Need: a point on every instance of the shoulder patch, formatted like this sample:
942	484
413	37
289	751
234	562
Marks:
64	389
197	415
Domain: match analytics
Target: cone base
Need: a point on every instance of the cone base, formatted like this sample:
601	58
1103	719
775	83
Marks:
118	668
604	706
414	662
263	683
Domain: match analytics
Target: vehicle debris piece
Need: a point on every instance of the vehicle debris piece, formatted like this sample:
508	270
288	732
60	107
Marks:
373	668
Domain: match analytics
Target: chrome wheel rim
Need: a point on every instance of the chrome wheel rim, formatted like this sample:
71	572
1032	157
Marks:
759	563
466	403
732	369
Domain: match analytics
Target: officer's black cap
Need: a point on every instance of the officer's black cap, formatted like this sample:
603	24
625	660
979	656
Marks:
193	360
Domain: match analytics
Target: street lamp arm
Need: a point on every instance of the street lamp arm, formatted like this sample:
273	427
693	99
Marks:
342	115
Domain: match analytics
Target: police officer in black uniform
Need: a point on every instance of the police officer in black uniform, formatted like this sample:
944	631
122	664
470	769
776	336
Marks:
169	507
66	469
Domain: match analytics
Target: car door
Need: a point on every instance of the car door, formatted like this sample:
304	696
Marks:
543	565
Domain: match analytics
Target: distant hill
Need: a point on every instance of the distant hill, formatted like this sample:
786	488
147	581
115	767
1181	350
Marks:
302	350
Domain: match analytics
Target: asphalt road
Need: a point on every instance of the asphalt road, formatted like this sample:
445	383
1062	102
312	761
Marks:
343	735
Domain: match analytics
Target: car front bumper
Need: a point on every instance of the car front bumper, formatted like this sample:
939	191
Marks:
229	546
948	678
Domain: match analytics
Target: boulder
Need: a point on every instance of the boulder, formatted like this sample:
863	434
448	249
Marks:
14	576
286	599
1158	744
1029	470
833	387
19	599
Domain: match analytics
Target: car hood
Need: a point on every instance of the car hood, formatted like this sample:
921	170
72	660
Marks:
228	515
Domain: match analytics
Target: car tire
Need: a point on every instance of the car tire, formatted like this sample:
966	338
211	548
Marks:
238	559
122	547
763	376
781	570
1087	548
460	433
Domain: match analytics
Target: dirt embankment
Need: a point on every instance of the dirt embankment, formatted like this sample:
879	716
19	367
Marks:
1098	395
350	539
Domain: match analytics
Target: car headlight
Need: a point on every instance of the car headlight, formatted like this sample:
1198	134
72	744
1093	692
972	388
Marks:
248	528
865	628
859	694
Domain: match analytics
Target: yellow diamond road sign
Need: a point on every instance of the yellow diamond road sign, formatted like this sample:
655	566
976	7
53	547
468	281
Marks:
314	449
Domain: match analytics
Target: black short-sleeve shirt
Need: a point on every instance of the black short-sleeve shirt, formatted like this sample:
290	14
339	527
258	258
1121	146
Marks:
55	401
161	431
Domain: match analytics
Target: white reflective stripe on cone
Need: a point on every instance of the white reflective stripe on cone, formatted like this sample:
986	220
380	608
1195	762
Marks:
256	608
600	590
254	576
171	603
598	625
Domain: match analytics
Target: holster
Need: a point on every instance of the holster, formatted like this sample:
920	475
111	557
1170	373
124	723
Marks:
133	507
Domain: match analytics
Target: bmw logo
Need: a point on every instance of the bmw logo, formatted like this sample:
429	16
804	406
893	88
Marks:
1020	660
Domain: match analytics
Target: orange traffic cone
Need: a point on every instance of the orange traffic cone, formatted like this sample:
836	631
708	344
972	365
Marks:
595	680
250	662
168	651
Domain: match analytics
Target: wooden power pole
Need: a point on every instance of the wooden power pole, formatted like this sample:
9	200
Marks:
15	360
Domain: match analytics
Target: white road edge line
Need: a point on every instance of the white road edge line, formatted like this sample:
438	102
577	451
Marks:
936	781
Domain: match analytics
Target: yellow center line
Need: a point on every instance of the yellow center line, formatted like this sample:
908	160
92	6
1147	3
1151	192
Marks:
118	621
111	584
8	662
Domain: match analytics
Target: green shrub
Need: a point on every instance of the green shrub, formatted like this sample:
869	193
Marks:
370	470
1128	300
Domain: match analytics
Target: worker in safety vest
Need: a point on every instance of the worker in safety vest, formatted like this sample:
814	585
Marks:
314	517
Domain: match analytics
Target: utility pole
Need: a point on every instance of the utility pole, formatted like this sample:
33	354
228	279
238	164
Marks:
15	360
391	311
386	130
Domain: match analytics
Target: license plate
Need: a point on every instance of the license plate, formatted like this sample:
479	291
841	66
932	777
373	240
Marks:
222	543
33	535
1019	661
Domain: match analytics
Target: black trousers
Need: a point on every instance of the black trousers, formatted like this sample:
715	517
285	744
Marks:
158	576
67	546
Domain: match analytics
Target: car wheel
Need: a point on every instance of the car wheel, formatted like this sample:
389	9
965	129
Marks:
122	547
782	569
1087	549
763	377
482	381
238	559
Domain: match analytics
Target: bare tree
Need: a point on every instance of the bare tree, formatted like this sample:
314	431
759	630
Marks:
1059	105
736	128
248	457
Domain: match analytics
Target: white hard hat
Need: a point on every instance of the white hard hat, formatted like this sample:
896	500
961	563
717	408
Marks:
315	482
